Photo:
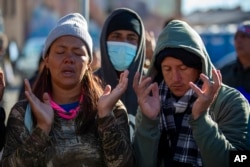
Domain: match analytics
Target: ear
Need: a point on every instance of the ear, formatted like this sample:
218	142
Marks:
87	67
46	61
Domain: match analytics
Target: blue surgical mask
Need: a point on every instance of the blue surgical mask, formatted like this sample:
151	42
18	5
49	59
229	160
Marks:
121	54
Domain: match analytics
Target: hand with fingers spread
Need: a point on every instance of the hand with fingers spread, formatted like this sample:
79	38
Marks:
42	111
109	98
150	105
207	94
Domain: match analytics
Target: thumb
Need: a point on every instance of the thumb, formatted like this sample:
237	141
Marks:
46	98
107	90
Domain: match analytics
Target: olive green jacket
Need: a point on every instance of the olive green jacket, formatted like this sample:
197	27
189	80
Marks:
223	127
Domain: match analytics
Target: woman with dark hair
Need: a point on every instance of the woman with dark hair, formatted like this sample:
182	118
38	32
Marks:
69	119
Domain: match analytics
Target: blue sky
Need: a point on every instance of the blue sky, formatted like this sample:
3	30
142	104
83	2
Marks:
189	6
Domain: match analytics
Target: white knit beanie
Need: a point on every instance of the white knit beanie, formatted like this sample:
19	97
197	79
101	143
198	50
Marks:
73	24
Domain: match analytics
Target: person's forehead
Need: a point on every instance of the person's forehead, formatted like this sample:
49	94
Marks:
243	34
124	32
69	39
170	60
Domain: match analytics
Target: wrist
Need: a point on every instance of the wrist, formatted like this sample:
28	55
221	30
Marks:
103	114
45	128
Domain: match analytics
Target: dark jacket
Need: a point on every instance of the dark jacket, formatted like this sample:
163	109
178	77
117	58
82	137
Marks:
234	75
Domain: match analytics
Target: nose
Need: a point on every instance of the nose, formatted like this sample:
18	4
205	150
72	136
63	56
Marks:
176	77
69	58
124	39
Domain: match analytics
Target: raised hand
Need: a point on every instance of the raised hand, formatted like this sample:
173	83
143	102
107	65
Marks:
42	111
109	98
207	94
150	105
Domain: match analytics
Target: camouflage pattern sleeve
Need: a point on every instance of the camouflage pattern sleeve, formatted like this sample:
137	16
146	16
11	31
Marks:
115	138
21	148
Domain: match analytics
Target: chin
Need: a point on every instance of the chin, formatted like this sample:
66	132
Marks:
178	92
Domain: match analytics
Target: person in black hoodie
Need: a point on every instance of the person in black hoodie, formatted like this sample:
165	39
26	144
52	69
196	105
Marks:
122	46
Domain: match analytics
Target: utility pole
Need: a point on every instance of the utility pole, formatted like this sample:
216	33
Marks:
178	8
85	9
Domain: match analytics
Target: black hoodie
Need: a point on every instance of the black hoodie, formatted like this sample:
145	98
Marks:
108	73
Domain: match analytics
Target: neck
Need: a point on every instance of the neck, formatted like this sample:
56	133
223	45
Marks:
118	73
245	61
65	96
